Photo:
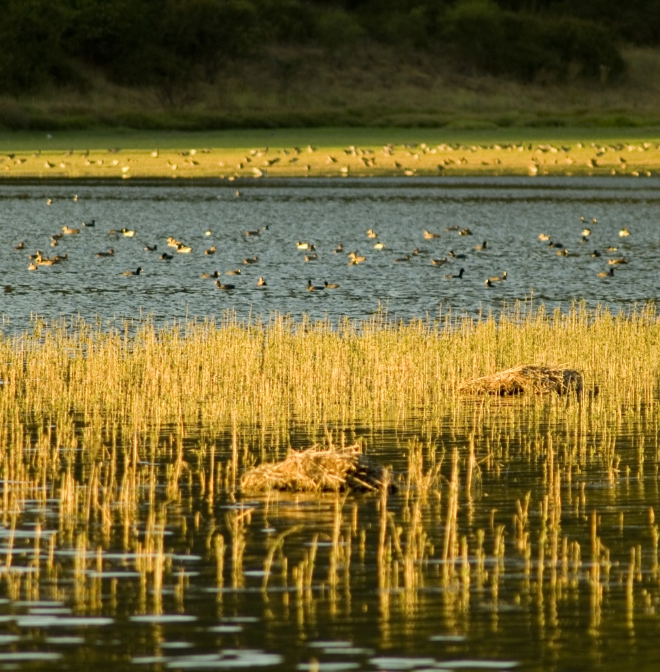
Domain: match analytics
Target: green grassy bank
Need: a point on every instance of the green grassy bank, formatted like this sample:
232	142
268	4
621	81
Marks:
124	153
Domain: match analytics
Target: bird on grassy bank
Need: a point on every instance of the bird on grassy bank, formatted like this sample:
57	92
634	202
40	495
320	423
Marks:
261	282
109	253
606	274
331	285
313	288
137	271
207	276
221	285
459	275
498	278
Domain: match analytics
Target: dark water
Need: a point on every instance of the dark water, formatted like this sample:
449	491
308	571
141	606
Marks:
78	593
108	580
509	213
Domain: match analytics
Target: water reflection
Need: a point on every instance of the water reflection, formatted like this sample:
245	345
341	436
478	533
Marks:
519	537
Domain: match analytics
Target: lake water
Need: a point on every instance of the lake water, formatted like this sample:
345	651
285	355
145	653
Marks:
105	563
508	213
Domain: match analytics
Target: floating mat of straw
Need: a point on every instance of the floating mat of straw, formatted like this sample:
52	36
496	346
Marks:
319	470
527	380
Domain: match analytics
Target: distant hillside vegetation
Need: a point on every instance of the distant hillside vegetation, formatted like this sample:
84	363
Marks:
171	48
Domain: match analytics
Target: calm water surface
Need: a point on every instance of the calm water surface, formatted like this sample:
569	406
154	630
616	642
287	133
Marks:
509	213
201	578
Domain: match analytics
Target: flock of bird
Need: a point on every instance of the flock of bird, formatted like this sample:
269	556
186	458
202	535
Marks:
39	259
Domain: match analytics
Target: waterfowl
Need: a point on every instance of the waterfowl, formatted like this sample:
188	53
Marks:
109	253
331	285
453	255
313	288
8	289
221	285
617	262
261	282
483	246
69	231
210	251
165	256
60	257
586	232
32	266
452	228
379	246
150	248
137	271
311	257
465	232
129	233
207	232
54	242
371	234
252	260
428	235
488	283
215	274
611	248
20	246
498	278
91	222
184	249
439	262
544	236
44	261
339	248
584	239
173	242
236	272
255	232
606	274
356	259
459	275
624	232
302	245
406	258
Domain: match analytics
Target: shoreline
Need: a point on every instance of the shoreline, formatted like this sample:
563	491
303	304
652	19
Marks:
323	153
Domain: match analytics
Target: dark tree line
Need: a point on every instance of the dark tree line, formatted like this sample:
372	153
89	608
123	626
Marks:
166	42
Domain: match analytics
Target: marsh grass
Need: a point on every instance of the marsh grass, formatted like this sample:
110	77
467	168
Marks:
114	429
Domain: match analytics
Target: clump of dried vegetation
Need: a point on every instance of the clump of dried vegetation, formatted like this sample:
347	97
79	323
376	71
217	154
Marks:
527	379
319	469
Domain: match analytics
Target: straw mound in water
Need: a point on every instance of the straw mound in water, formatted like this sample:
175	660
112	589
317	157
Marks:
319	470
527	380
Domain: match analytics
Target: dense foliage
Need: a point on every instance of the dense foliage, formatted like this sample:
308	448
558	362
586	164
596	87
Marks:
166	42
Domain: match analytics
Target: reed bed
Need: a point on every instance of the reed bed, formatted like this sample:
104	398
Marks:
276	370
